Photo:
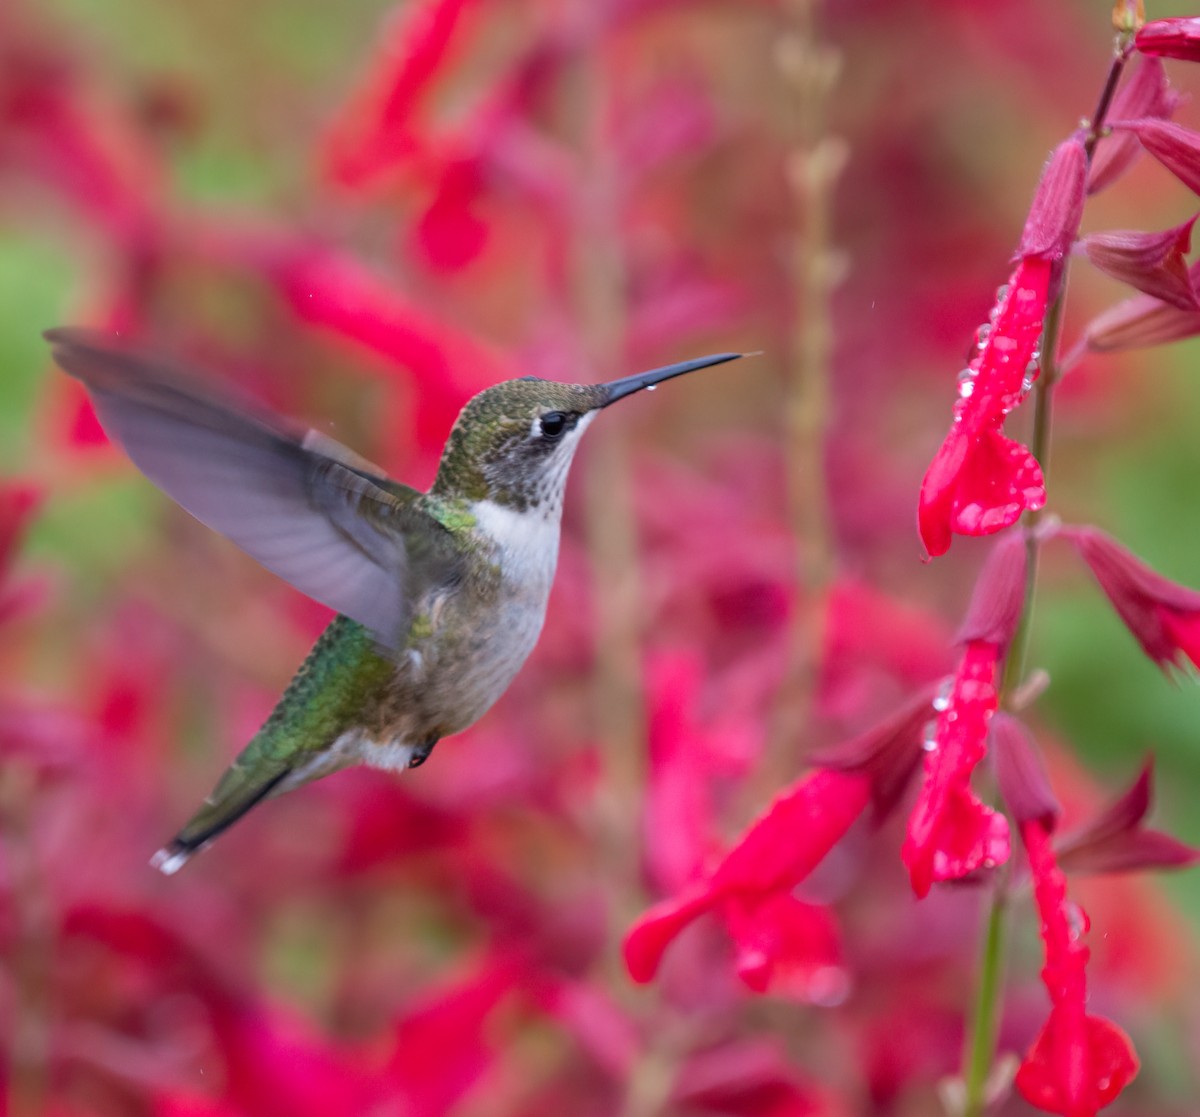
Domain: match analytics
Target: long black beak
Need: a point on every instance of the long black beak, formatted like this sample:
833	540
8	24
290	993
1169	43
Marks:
627	385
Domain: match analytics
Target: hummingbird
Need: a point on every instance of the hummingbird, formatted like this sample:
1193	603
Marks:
440	595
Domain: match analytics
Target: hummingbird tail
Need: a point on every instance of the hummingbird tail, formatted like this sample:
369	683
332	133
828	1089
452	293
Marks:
212	820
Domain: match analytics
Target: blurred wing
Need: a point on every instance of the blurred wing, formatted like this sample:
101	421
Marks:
304	506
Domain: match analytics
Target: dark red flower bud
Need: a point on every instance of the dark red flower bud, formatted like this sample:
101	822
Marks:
1145	95
1152	262
1177	148
1054	216
1020	773
1115	841
999	594
1170	38
1163	616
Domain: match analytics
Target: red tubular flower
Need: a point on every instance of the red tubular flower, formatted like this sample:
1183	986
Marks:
781	942
1170	38
377	128
781	847
1154	263
1079	1063
1146	95
951	833
980	482
1163	616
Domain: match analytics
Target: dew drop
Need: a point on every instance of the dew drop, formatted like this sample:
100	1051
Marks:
1001	293
981	336
929	737
941	700
1077	920
651	387
828	986
966	389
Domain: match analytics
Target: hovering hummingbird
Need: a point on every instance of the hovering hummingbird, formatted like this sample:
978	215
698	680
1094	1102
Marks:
440	595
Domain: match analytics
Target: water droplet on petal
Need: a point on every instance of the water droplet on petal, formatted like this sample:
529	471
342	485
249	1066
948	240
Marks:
981	336
1077	920
929	737
941	700
966	389
828	986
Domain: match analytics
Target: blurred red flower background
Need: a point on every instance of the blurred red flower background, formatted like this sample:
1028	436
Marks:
711	771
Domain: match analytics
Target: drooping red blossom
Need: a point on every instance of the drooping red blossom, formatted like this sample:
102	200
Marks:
1154	263
980	482
1146	95
1163	616
1116	841
951	833
1177	148
1079	1063
776	853
380	125
1170	38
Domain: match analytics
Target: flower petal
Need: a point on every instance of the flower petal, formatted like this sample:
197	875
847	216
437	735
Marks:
1057	208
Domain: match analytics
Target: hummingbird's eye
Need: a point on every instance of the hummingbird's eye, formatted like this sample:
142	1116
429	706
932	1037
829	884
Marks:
554	425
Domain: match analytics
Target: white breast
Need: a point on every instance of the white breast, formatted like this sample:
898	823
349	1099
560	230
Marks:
526	542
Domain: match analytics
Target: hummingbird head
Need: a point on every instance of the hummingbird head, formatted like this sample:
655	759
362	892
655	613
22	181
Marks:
514	442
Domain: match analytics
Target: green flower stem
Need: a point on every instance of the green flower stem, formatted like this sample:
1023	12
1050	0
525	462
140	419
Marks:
985	1024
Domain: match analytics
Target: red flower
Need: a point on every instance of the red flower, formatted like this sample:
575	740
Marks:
750	887
951	833
1163	616
980	482
1079	1063
379	128
781	942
